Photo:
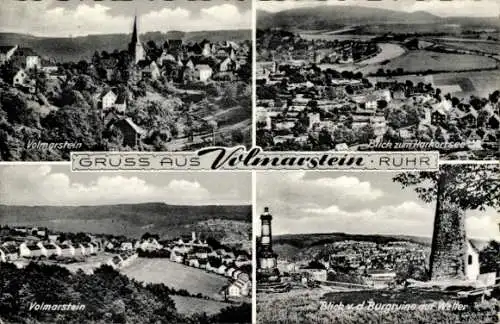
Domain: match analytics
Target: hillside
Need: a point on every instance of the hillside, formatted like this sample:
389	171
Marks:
78	48
332	17
126	219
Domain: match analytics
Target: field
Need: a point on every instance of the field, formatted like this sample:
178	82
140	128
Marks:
91	263
472	83
491	48
486	46
421	60
191	305
177	276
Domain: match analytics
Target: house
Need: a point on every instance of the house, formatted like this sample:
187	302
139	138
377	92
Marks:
19	78
206	48
472	262
53	249
132	133
108	100
67	250
222	269
194	263
243	276
121	103
150	244
202	252
203	72
238	288
236	273
230	271
474	141
80	250
9	253
227	65
115	261
438	117
126	246
32	250
379	124
177	257
53	237
203	263
33	62
149	70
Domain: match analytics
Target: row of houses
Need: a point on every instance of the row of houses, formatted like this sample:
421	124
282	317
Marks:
10	252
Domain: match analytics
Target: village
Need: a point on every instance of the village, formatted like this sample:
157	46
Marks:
359	263
306	103
170	96
82	251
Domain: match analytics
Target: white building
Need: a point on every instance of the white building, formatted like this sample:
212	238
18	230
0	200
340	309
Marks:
108	100
472	262
33	62
203	72
19	78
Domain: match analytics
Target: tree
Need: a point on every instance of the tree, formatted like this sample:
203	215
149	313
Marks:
455	188
489	258
349	90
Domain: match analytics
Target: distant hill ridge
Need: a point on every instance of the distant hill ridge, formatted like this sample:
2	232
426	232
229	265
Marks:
308	240
126	219
330	17
83	47
307	246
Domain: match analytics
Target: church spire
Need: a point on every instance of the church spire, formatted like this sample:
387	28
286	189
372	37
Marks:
135	34
135	47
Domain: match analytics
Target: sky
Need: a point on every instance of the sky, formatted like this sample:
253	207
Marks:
466	8
79	18
353	202
57	185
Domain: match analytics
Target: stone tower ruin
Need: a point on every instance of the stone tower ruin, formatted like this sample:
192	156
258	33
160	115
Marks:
449	245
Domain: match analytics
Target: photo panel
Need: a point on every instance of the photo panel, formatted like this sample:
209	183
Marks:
124	247
123	76
385	247
379	75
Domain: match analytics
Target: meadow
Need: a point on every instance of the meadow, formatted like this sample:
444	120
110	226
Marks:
491	48
421	61
177	276
191	305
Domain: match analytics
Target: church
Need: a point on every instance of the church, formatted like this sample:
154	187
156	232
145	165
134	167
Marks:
135	48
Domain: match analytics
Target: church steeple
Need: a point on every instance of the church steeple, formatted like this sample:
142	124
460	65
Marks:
135	35
135	47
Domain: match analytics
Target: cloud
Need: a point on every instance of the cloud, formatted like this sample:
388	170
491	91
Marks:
407	218
296	187
483	226
38	186
41	18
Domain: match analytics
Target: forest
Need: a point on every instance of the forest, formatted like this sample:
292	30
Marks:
108	297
